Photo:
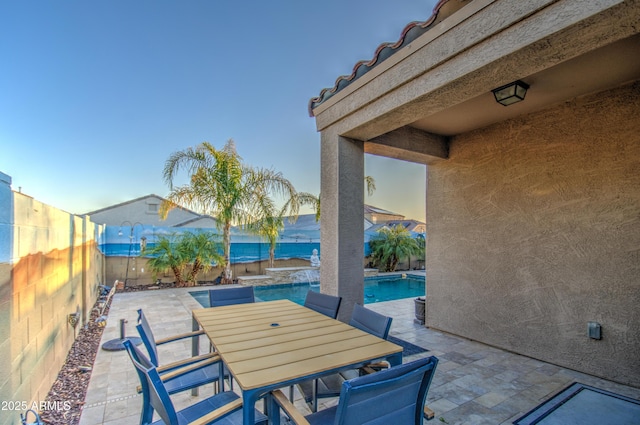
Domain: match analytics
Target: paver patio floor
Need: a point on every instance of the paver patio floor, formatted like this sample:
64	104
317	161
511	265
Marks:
474	383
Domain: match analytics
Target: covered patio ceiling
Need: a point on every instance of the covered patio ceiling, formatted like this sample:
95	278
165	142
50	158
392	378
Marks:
604	68
439	84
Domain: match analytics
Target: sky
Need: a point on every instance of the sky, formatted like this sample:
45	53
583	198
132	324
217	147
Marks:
95	95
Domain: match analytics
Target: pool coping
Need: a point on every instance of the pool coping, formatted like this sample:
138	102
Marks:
382	276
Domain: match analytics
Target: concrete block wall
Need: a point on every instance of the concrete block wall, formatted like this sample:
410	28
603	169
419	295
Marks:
51	269
534	230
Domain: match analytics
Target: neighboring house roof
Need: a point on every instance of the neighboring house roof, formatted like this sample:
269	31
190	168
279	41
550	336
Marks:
369	209
368	224
121	204
306	225
303	222
409	224
412	31
129	210
190	221
376	227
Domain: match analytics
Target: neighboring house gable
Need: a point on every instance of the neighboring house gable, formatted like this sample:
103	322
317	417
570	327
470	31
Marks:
379	215
145	210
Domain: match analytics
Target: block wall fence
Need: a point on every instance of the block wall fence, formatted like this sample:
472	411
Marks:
50	267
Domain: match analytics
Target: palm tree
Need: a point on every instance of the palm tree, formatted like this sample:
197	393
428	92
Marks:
165	256
202	250
389	246
313	201
223	186
175	253
269	228
272	223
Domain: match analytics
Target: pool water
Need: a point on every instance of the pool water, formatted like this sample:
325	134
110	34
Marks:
376	289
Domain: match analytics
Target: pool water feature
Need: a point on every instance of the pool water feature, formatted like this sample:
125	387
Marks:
376	289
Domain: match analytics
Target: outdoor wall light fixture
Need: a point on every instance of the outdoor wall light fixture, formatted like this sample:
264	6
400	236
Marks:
73	319
510	93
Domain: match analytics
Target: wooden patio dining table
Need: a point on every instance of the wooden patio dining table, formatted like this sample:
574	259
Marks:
275	344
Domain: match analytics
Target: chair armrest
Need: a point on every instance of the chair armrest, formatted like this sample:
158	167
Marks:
366	370
373	367
175	373
218	413
190	368
288	407
180	363
428	413
179	337
379	365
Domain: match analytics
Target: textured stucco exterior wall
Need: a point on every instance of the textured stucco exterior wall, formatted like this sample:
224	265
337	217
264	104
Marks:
342	199
52	271
534	230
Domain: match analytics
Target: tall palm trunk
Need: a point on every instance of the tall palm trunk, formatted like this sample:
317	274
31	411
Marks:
191	277
178	274
226	240
272	255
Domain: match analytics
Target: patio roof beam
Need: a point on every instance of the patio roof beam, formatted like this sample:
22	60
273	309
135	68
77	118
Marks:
410	144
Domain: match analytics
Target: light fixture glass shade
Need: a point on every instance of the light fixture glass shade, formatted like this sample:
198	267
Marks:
511	93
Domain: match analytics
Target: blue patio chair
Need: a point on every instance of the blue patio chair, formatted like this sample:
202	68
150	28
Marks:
370	321
331	385
175	381
393	396
323	303
222	408
375	324
230	296
205	368
151	344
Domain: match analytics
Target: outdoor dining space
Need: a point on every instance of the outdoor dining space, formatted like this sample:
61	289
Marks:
270	347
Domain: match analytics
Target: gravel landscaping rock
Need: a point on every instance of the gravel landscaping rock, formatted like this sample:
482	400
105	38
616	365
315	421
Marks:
70	387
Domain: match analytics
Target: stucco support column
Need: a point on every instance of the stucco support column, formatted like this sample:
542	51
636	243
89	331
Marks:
342	212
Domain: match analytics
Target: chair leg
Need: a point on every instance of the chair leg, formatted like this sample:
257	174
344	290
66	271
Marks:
314	397
291	393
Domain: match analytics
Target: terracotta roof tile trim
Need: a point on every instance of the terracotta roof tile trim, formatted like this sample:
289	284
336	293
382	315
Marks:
412	31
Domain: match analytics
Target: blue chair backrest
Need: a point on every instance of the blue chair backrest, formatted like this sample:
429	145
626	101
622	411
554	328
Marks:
323	303
230	296
152	397
391	396
370	321
149	341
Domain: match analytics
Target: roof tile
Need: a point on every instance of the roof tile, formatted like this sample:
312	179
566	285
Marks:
412	31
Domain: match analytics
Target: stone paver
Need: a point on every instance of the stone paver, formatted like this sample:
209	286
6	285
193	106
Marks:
474	383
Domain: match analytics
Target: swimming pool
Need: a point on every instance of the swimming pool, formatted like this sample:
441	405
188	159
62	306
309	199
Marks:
376	289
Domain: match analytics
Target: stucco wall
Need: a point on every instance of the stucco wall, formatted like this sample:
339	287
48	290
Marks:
534	230
52	269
